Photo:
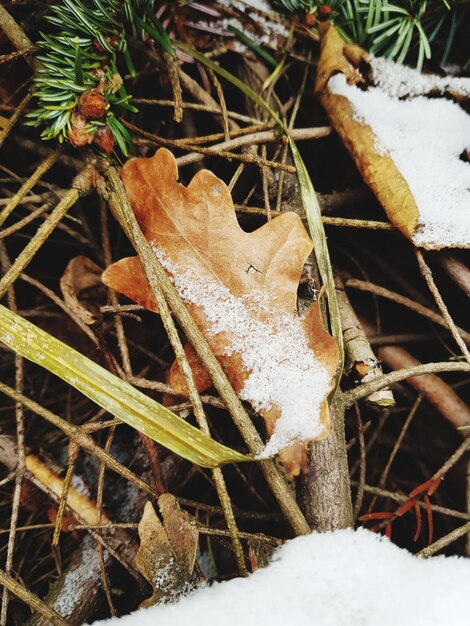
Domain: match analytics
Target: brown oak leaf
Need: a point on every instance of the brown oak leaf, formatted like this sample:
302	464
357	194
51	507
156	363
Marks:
241	289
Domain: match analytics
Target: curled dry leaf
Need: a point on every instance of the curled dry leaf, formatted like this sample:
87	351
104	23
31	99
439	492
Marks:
241	289
167	551
81	277
407	147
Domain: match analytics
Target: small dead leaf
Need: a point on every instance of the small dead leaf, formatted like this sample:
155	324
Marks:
81	279
181	531
378	170
8	452
166	566
254	276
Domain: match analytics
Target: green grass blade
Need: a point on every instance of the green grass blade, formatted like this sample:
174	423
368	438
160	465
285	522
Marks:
253	45
113	394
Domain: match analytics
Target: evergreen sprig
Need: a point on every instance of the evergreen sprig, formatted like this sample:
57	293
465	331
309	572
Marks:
79	89
405	30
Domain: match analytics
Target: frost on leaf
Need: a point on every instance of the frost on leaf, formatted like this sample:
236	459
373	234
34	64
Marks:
408	147
241	289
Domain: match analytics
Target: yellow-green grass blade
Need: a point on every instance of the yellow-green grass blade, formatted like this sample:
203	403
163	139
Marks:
113	394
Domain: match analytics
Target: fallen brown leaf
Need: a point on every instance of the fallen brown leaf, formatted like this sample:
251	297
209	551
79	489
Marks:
181	530
408	212
378	170
241	289
166	563
81	278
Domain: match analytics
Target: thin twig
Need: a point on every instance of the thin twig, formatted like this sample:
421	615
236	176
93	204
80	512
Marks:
445	541
39	238
28	185
395	377
342	222
364	285
428	277
197	107
396	447
79	436
15	116
20	449
16	35
400	497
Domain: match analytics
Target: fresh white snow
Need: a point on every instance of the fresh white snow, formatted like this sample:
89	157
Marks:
425	138
400	81
345	578
282	369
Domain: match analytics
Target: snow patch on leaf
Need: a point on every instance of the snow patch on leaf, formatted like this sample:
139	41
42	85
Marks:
424	138
282	369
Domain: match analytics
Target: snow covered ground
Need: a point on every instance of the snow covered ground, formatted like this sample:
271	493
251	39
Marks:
345	578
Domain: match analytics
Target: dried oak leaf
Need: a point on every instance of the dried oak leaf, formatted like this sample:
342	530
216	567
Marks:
80	284
378	170
241	289
392	188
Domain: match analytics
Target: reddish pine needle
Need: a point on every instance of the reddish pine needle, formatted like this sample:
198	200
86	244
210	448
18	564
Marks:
420	488
434	485
377	515
405	507
418	522
427	502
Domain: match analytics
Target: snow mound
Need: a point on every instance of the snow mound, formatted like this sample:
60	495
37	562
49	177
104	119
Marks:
344	578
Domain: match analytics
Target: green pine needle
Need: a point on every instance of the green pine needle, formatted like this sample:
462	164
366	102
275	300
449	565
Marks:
82	55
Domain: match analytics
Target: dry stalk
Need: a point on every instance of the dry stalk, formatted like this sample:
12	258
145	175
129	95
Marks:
428	277
28	185
359	357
